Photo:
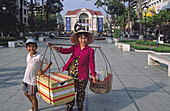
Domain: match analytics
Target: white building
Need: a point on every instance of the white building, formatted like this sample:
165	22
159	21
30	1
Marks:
90	20
157	5
154	5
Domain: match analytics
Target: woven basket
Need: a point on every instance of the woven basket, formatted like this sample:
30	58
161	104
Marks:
101	87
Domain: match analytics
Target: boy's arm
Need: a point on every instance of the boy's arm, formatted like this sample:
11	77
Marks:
45	69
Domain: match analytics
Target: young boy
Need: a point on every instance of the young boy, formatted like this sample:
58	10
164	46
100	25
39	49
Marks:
34	61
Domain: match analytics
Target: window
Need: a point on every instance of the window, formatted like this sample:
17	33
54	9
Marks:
25	3
83	20
25	20
25	11
87	21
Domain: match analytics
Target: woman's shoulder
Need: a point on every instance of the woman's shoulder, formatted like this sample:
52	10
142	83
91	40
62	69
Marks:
89	48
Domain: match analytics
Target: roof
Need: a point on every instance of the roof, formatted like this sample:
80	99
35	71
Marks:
74	12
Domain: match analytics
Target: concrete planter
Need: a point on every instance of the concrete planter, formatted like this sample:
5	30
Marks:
116	41
11	43
109	40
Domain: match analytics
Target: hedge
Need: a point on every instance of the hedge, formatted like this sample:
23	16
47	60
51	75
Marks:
160	48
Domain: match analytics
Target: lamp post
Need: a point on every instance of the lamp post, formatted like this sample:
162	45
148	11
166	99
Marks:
145	10
4	8
4	11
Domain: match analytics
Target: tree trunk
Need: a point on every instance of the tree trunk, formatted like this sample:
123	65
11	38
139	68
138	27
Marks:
47	14
140	18
21	18
129	18
42	10
124	26
32	16
115	22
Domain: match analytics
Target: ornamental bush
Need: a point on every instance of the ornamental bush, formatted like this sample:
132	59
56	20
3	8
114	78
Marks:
143	42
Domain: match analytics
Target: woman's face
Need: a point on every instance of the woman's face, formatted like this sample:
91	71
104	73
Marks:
83	40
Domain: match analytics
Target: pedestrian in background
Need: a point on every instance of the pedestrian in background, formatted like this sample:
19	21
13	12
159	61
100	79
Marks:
78	65
34	62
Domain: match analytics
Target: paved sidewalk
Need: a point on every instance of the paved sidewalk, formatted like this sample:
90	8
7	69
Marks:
136	86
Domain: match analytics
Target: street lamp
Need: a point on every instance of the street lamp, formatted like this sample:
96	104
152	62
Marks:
4	8
145	10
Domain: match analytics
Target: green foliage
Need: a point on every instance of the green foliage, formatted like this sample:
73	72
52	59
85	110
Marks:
161	48
8	17
143	42
117	33
4	40
7	39
159	20
133	45
168	45
53	6
125	41
3	43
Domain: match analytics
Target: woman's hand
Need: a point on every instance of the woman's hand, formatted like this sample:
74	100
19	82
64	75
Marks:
40	72
94	79
52	46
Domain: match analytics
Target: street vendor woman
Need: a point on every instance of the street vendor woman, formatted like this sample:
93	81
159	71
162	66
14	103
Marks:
78	65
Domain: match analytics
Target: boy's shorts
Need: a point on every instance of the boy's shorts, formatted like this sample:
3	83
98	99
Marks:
30	89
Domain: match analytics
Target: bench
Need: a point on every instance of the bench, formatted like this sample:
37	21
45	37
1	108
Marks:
15	43
124	46
154	59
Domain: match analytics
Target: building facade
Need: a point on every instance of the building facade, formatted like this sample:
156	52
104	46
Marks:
154	5
90	20
24	11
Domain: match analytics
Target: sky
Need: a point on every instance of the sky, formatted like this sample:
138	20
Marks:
78	4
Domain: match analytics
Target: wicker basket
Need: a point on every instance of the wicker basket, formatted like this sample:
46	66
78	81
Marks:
101	87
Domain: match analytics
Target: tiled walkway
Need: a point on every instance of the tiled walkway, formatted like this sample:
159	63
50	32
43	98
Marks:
136	86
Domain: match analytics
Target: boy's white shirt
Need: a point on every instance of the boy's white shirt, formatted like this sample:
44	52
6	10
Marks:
32	68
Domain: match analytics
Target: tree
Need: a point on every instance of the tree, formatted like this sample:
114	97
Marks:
159	20
52	7
32	26
115	8
111	7
138	4
47	8
21	26
8	22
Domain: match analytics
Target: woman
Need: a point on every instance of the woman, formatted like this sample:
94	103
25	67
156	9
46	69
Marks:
78	65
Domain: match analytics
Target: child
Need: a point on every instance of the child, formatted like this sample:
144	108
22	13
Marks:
34	61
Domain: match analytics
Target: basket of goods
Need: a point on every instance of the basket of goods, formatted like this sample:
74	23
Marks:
55	88
103	83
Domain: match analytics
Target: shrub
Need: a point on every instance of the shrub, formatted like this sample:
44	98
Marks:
117	33
143	42
161	47
28	34
7	39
